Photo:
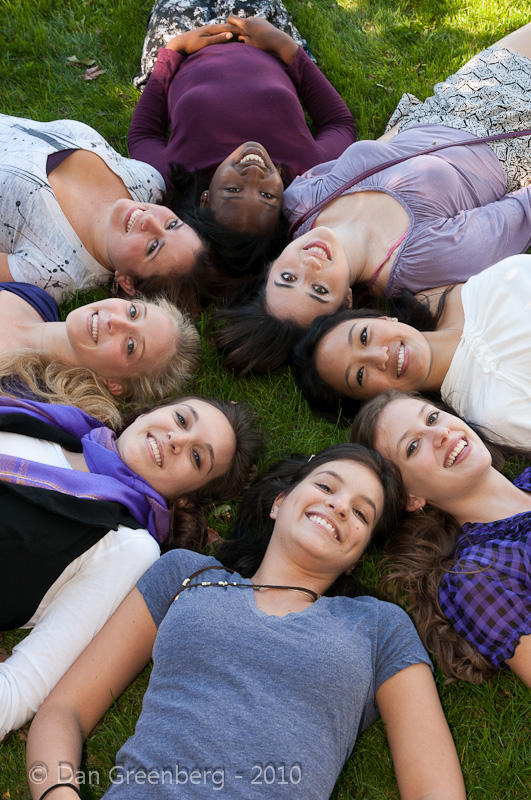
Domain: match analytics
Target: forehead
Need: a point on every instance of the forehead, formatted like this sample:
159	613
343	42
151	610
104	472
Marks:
394	421
352	474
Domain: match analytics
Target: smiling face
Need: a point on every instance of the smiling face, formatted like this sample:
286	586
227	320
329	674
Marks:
179	448
439	456
144	239
362	357
311	277
329	516
120	338
245	193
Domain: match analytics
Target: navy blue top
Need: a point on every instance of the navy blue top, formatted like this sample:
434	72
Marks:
40	300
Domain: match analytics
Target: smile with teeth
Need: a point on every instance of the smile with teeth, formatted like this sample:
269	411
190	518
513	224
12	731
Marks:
324	523
400	362
458	449
131	221
94	326
253	158
155	450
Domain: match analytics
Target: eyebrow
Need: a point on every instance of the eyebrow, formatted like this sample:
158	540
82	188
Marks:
237	196
143	338
348	369
208	446
405	435
341	480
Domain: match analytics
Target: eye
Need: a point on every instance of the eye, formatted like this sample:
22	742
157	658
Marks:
325	487
363	336
131	347
361	515
197	458
233	189
153	246
289	277
268	195
180	419
318	288
432	417
173	223
133	311
359	375
412	448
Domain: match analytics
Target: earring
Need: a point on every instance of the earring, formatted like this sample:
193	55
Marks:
114	285
204	195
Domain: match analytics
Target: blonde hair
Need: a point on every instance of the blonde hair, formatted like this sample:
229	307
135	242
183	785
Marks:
24	372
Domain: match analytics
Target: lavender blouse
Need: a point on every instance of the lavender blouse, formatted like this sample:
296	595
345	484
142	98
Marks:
460	219
487	594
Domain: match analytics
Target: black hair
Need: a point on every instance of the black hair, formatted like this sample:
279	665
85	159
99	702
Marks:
246	547
318	394
250	339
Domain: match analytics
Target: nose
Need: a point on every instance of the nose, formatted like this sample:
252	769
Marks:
115	323
338	505
151	224
176	441
440	434
378	356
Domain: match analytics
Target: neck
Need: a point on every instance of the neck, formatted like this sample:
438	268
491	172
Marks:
284	572
51	341
442	344
493	498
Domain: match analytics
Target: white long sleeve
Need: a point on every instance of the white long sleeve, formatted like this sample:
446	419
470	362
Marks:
72	611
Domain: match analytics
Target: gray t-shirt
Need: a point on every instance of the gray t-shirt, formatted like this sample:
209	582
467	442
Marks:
251	705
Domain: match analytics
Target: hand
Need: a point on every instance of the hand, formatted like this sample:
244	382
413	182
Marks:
192	41
261	34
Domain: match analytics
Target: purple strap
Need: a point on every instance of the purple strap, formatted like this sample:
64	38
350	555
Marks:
373	170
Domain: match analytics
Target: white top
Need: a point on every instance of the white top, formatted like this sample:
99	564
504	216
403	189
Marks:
489	379
43	248
73	609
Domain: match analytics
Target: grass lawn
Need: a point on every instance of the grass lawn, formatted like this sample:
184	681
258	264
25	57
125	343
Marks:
372	50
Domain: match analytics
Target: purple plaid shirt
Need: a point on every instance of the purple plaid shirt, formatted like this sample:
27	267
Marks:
487	595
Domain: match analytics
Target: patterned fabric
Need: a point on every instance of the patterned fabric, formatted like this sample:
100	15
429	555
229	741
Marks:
490	94
487	594
168	18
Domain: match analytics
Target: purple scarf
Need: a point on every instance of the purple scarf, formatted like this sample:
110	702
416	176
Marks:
109	477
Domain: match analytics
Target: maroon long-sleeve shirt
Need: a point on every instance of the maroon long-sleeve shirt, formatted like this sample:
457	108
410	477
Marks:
223	95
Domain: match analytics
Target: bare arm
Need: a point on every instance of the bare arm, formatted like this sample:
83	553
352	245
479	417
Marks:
5	272
520	663
424	755
101	673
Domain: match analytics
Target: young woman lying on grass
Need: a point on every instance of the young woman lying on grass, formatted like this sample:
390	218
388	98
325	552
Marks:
463	555
428	221
280	662
131	349
225	103
469	343
74	214
86	512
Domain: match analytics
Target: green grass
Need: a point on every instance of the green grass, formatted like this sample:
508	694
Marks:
372	50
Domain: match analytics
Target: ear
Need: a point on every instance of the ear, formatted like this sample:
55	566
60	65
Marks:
203	201
126	282
414	503
115	387
279	499
348	299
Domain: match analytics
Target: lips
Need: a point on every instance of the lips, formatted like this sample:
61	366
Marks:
130	218
319	248
326	524
457	451
155	450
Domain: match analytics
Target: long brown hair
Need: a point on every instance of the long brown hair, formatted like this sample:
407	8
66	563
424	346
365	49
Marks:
418	555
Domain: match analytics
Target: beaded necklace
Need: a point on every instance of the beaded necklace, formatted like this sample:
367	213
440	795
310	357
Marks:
186	584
